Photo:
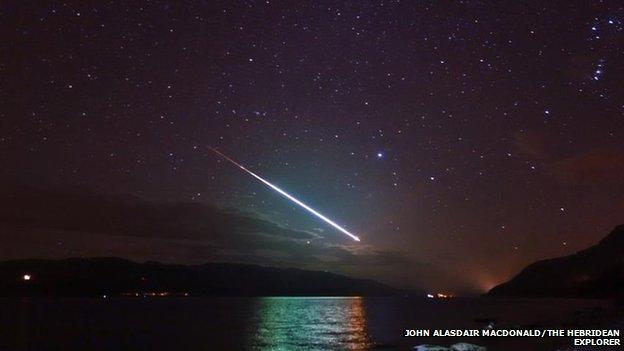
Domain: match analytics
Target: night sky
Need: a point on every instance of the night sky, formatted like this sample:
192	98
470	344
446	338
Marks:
461	141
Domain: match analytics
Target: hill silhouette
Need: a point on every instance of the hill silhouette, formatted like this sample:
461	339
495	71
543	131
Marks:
596	272
116	276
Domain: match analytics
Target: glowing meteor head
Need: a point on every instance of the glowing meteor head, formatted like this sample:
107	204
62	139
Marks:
357	238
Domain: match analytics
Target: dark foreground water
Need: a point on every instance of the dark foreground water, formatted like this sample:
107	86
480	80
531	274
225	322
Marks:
276	323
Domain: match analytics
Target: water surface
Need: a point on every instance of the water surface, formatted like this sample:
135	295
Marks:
274	323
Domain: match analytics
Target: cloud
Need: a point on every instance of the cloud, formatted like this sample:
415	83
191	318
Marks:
591	168
88	212
598	166
533	144
33	221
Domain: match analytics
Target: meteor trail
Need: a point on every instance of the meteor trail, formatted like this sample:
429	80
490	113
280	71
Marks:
288	196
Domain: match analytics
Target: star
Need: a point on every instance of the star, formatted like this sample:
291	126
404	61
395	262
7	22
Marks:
460	125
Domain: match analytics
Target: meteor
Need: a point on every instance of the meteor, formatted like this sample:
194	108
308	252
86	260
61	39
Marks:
288	196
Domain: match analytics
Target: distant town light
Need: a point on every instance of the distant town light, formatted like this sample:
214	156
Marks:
444	296
26	277
430	296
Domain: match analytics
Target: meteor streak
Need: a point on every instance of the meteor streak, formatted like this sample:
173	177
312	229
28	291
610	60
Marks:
288	196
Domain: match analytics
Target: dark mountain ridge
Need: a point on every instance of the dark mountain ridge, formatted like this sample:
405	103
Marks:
116	276
596	272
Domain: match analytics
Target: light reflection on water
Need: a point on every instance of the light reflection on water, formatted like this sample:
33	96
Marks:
287	323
